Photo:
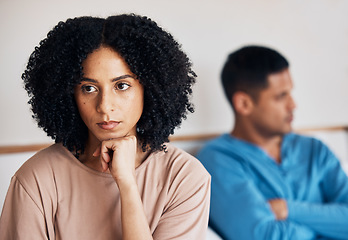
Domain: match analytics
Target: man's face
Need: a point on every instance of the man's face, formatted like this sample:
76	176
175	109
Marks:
272	113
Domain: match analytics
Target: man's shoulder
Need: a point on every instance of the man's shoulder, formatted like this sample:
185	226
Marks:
295	140
300	146
217	144
230	144
224	148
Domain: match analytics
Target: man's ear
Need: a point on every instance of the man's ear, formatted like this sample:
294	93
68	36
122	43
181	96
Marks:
243	103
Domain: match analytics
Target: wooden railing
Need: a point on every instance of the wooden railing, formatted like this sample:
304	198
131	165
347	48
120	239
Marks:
195	137
23	148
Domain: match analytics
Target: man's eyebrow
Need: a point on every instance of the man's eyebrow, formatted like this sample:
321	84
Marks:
113	80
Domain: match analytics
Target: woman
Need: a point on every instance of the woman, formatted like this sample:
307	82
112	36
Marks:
110	92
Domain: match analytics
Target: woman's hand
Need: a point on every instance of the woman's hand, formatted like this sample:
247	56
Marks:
118	155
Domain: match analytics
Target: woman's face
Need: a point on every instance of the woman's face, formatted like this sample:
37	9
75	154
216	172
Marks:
109	98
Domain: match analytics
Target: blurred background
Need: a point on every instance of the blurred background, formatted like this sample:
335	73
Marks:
312	34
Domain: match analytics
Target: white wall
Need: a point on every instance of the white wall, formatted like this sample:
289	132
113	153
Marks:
312	34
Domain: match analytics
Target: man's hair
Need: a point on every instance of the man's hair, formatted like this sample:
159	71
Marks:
152	54
247	70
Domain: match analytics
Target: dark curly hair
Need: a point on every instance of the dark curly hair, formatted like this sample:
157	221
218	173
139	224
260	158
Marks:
152	54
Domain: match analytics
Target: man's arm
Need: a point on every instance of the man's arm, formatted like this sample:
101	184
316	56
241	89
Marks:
329	219
279	208
239	210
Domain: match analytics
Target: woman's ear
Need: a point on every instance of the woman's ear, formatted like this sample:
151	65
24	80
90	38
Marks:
243	103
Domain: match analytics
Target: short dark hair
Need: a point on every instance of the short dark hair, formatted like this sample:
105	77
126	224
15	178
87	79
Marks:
247	70
152	54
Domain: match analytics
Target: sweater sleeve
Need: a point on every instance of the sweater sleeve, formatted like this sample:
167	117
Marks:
238	209
328	219
21	218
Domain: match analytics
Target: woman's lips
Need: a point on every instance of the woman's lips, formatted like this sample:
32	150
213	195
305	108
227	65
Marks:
108	125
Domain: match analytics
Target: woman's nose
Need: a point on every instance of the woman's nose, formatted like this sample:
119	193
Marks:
105	103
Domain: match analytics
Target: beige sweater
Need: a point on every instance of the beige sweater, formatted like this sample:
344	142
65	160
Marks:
54	196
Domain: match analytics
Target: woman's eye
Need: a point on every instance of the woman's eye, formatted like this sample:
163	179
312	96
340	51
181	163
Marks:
122	86
88	89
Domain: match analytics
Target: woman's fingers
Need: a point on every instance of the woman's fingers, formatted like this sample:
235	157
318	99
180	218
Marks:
117	153
104	152
96	152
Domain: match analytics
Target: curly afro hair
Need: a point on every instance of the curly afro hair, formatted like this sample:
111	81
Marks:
152	54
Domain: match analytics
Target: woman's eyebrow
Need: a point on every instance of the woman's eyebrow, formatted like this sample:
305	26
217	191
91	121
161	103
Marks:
88	80
84	79
123	77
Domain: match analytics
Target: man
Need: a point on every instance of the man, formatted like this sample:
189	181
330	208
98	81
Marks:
269	183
